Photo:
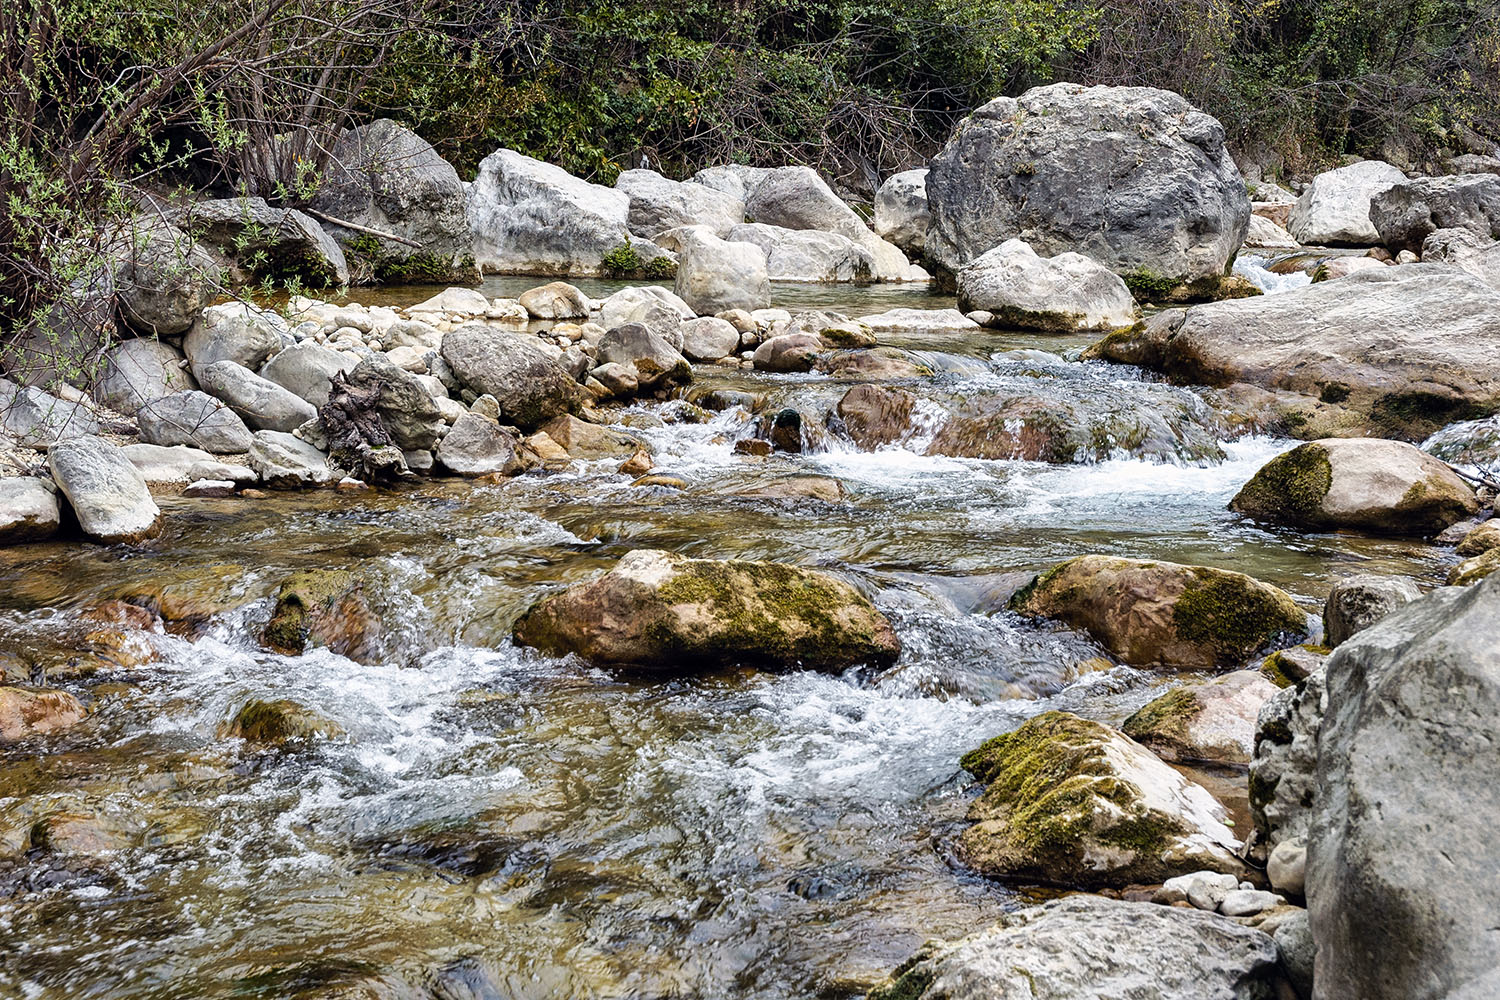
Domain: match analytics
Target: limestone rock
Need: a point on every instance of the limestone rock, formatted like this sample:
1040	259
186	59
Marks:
530	387
713	275
305	370
260	241
478	446
555	300
28	510
1283	770
656	362
901	213
1407	213
261	403
1062	294
1357	602
1335	208
1212	721
807	254
235	331
284	462
195	419
106	492
709	338
37	419
138	370
658	204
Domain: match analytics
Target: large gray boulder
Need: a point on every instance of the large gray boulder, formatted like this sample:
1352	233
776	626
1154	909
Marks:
530	387
1462	249
195	419
166	464
658	204
530	217
65	341
165	278
305	370
656	362
258	241
1357	602
797	198
234	331
807	254
1403	866
1133	177
1061	294
138	370
630	305
1093	948
1393	351
1407	213
28	510
285	462
36	419
734	179
261	403
106	492
478	446
1335	208
714	275
901	212
384	176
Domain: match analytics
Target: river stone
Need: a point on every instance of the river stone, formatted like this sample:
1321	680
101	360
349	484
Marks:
1213	721
901	213
1094	948
464	301
261	403
324	608
1286	866
159	464
709	338
1475	569
1134	178
195	419
1407	213
875	416
1283	768
790	352
734	179
107	493
1073	802
658	204
919	321
590	441
530	387
277	723
235	331
555	300
138	370
1481	539
1297	952
1398	351
1403	868
656	362
1165	614
164	279
1357	602
385	177
1362	484
1335	208
405	406
34	711
478	446
1264	233
284	462
629	305
807	254
37	419
305	370
1058	294
28	510
264	242
797	198
65	340
665	611
714	275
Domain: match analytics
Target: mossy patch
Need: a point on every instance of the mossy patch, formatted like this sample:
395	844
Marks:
302	596
1147	285
1164	719
1234	615
274	723
1289	489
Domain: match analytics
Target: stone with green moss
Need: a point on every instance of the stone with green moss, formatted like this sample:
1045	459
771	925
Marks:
1286	667
1475	569
1072	802
1208	722
276	723
659	610
1165	614
323	607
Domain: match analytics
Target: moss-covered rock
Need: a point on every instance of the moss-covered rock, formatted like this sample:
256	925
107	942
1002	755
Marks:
276	723
1073	802
324	607
1165	614
1360	484
1286	667
1213	721
187	596
1475	569
1481	539
661	610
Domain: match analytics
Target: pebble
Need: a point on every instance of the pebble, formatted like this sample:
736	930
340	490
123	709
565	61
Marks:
351	485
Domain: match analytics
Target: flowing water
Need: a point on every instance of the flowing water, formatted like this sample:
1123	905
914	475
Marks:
494	823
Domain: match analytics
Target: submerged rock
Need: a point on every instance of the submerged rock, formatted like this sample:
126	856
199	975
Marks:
1364	484
323	607
34	711
1403	867
665	611
1072	802
1357	602
1093	948
277	723
106	492
1059	294
1165	614
1212	721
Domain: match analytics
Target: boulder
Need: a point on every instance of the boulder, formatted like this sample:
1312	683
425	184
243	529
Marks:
235	331
1361	484
284	462
1403	868
261	403
324	608
106	492
713	275
555	300
305	369
530	387
530	217
901	214
28	510
35	711
1060	294
478	446
405	406
664	611
1478	541
138	370
797	198
910	321
1465	251
1286	667
1094	948
163	465
790	352
1408	212
656	362
464	301
709	338
581	439
385	177
1357	602
278	723
37	419
1297	951
807	254
734	179
1072	802
1165	614
1283	768
1335	208
195	419
1213	721
630	305
658	204
64	343
1134	178
259	241
1393	351
164	279
1473	570
1265	234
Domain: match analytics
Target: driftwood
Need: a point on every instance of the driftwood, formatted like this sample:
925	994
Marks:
357	436
346	224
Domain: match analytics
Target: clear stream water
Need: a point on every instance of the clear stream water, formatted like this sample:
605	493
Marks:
499	824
